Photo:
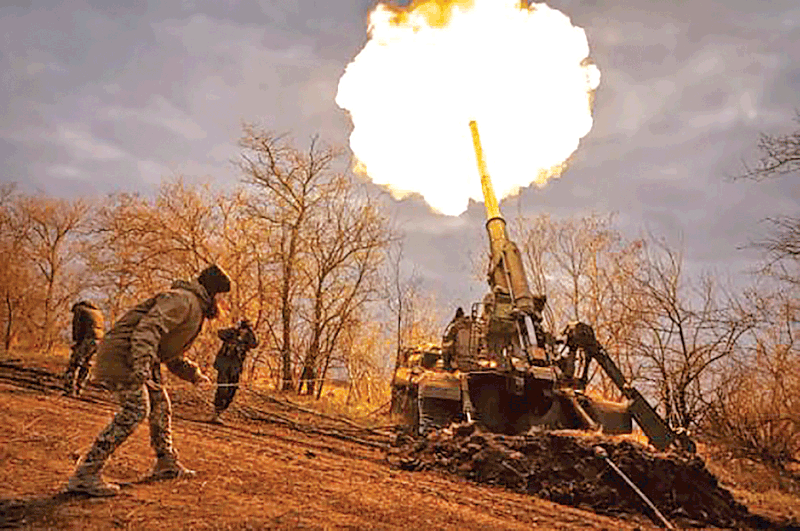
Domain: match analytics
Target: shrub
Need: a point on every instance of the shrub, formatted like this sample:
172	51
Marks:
757	413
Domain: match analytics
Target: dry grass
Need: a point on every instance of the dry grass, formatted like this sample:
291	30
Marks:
770	489
337	400
757	414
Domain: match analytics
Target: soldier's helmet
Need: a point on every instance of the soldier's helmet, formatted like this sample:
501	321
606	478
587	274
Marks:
244	323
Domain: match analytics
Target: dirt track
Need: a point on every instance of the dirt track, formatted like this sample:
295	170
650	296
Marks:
279	472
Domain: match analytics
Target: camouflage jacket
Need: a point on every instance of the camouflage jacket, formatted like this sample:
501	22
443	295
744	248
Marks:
87	321
159	329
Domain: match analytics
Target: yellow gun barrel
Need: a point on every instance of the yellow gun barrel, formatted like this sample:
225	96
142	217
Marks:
492	208
495	223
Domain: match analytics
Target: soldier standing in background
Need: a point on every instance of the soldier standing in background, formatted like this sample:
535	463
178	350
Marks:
158	330
236	341
449	338
87	330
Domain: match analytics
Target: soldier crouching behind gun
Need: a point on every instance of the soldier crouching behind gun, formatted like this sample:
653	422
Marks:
158	330
87	330
236	341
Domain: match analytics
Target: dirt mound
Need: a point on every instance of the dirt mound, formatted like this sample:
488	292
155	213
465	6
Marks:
563	467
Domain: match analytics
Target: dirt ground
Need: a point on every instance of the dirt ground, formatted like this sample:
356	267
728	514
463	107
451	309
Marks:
269	467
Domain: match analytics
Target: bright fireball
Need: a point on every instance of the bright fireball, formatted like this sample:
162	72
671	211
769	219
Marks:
428	69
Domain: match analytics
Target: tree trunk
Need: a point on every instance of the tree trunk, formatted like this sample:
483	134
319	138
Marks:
286	349
322	376
310	362
286	315
307	379
46	332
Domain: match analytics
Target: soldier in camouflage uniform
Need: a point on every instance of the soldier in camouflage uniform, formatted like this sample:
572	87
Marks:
158	330
449	338
236	341
87	330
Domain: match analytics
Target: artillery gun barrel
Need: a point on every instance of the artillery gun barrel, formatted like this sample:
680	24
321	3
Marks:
495	223
506	269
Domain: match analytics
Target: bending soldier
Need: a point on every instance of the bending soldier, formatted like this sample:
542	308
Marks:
236	341
158	330
87	330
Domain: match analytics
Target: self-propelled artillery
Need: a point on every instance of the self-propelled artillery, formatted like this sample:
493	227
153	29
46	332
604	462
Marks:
498	366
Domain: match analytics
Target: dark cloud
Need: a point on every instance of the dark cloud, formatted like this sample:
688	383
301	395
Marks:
100	96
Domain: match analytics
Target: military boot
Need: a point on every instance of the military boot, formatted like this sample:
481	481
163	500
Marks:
215	418
168	467
69	384
87	480
80	381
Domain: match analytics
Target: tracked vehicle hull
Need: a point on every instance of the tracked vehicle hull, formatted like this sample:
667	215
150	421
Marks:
501	402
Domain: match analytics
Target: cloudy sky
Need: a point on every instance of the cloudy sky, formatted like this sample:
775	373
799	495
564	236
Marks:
98	97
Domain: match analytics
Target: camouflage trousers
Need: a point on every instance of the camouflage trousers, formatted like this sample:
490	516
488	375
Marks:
137	402
80	361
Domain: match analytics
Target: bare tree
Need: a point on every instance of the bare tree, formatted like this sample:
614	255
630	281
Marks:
187	223
364	351
757	414
396	289
16	281
585	268
782	250
289	184
414	313
139	246
779	155
346	244
49	245
120	251
688	331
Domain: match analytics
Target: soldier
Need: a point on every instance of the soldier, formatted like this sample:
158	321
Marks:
449	339
87	330
236	341
158	330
